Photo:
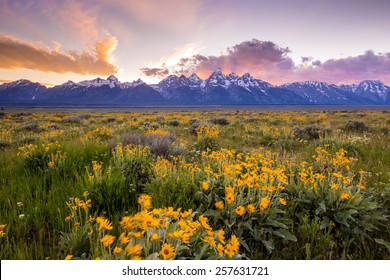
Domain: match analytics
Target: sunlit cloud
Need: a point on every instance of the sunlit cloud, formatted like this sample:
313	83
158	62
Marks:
172	14
268	61
19	54
367	66
81	19
171	62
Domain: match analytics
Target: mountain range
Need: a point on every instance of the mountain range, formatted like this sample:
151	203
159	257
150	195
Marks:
218	89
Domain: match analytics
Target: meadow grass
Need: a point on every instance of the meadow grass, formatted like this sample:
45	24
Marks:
215	184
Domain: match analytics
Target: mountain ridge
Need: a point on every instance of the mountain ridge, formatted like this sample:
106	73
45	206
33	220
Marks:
217	89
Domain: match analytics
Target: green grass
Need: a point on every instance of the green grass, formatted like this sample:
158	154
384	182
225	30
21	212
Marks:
33	196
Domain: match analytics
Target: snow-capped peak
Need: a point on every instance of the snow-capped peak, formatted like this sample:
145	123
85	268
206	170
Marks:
232	77
17	83
111	81
217	78
112	78
133	84
373	89
195	78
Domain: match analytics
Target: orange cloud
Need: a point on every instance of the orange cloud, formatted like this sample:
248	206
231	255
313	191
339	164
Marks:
19	54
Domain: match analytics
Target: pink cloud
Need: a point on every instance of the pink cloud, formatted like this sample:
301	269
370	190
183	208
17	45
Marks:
268	61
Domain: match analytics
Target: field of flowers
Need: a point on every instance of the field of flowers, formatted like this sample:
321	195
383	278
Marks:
185	184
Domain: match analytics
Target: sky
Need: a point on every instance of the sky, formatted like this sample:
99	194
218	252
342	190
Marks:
278	41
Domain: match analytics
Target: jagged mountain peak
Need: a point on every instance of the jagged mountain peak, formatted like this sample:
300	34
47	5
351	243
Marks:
112	78
218	88
194	77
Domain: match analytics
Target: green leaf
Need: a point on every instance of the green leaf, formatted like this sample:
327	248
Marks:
383	242
268	245
244	244
202	251
321	208
246	225
276	224
214	257
288	235
153	256
181	248
324	223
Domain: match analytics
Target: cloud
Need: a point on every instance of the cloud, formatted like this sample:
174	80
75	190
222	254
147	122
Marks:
260	58
19	54
268	61
154	72
172	14
81	19
350	69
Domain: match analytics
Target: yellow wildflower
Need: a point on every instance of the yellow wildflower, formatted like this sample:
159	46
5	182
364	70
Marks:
117	250
134	250
138	234
51	164
68	257
167	251
229	190
251	208
186	213
264	202
219	204
123	238
283	201
104	223
220	249
334	186
229	250
240	210
345	195
91	177
235	243
155	236
205	185
2	233
107	240
221	236
210	240
204	222
229	198
145	200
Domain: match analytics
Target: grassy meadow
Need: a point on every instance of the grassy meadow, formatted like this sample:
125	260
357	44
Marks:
195	184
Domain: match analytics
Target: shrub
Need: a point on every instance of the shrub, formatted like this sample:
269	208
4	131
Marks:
111	119
174	123
31	126
311	132
159	142
135	164
207	138
134	138
356	126
219	121
42	158
71	119
4	145
114	187
153	233
329	190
